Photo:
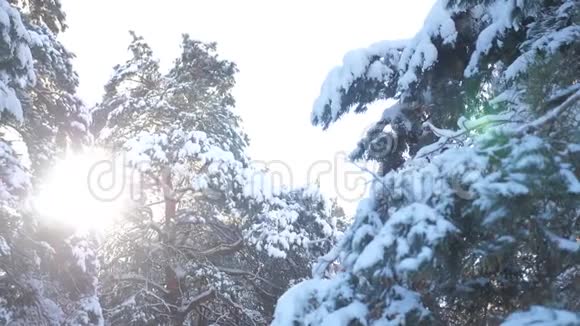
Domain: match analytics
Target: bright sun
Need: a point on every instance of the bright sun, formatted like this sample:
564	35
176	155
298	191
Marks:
77	192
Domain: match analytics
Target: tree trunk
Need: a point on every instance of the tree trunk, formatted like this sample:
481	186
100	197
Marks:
171	281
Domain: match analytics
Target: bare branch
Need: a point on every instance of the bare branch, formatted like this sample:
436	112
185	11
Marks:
197	300
140	279
551	115
241	272
217	250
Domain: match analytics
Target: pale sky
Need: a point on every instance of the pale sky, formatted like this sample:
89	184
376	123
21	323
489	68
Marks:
284	49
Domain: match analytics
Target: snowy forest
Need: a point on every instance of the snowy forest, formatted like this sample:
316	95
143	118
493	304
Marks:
472	217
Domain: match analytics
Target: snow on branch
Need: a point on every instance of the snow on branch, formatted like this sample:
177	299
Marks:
420	221
500	15
539	315
395	64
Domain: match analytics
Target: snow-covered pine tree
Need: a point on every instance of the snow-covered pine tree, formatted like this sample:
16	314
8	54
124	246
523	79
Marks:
473	217
210	240
18	286
56	117
39	272
44	12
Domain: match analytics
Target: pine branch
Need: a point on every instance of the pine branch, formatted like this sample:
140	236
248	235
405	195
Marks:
446	136
550	116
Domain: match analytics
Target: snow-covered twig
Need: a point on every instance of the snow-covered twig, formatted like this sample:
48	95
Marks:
550	116
373	174
467	126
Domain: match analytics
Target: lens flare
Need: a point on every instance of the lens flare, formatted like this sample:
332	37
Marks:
72	193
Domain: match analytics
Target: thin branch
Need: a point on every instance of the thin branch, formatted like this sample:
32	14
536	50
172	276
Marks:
157	229
373	174
197	300
447	135
241	272
550	116
217	250
141	279
323	262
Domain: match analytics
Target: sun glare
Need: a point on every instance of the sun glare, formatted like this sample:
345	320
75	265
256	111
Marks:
72	193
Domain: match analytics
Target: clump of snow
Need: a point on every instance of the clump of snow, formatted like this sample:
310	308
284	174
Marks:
88	308
83	253
539	315
259	185
421	222
17	38
292	219
547	41
4	247
293	304
345	315
9	102
356	64
383	60
15	178
571	245
405	302
421	53
499	15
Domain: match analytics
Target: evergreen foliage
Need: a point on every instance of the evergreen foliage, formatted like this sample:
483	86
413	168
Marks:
473	217
210	240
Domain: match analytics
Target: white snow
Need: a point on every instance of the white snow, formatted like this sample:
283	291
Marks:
421	53
571	245
82	253
499	14
4	247
422	222
9	102
539	315
548	43
406	301
356	64
15	177
345	315
259	185
407	57
293	304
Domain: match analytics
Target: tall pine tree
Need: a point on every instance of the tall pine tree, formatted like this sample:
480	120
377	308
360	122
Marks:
205	242
473	216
